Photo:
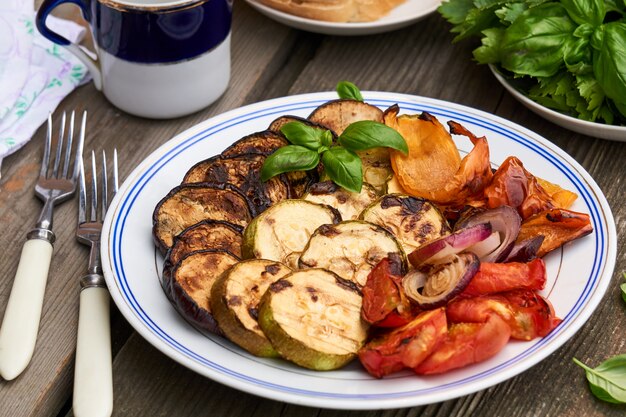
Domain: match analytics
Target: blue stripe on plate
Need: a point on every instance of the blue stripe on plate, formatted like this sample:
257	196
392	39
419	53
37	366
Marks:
135	190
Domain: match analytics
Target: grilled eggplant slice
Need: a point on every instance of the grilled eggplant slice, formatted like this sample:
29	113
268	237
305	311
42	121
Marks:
208	234
413	221
313	318
189	204
349	204
259	143
192	280
278	123
281	232
235	302
244	173
351	249
336	115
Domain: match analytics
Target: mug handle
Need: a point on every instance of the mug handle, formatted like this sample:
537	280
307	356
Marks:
42	14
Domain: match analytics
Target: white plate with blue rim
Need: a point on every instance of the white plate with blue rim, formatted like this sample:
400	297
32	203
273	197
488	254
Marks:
578	274
403	15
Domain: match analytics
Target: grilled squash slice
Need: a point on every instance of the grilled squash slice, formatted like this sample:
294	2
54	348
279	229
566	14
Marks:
281	232
313	318
413	221
189	204
192	280
235	301
336	115
260	143
349	204
208	234
351	249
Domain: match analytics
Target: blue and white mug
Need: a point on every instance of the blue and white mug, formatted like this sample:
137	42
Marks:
154	58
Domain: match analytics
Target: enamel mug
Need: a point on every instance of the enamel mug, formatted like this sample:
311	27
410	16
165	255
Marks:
154	58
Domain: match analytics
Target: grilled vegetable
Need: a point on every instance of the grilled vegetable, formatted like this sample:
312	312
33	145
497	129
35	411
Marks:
413	221
336	115
351	249
235	300
349	204
313	318
244	173
208	234
260	143
377	169
278	123
192	280
189	204
281	232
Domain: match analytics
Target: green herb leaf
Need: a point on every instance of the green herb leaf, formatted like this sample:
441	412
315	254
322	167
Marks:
608	381
347	90
367	134
585	11
289	158
609	61
623	287
300	134
344	167
327	138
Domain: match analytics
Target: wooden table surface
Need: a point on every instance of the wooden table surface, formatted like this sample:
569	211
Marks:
270	60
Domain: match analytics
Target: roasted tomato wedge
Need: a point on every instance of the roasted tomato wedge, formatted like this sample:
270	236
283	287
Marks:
406	346
512	185
557	226
527	314
493	278
384	303
467	343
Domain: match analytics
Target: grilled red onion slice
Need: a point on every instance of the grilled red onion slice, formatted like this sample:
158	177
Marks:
526	250
443	282
504	220
440	250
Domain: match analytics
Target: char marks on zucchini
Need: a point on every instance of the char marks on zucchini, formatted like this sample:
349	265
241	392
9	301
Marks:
349	204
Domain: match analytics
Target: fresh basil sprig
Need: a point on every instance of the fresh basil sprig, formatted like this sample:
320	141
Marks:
608	381
623	288
347	90
341	163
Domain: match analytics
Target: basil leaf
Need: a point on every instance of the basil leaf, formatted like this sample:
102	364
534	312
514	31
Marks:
367	134
608	381
327	138
534	44
585	11
609	61
349	91
344	168
623	287
300	134
289	158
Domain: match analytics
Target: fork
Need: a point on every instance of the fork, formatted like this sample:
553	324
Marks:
56	183
93	380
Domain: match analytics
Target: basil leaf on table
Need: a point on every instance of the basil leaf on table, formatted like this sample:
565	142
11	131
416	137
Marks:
344	167
608	381
300	134
623	288
287	159
347	90
367	134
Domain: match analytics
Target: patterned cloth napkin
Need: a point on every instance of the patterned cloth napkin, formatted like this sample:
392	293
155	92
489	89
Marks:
35	74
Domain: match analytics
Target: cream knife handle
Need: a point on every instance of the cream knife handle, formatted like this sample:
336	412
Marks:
93	376
20	324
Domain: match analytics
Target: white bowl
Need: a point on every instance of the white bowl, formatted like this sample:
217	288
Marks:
596	130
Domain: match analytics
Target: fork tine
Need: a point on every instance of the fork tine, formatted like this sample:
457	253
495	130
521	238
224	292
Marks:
82	192
104	184
79	146
46	150
94	188
68	146
57	156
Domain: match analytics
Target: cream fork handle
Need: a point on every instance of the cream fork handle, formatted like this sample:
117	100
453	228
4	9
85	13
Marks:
93	376
20	324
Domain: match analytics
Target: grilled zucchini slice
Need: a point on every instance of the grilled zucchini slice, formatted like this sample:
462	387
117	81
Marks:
412	220
235	302
244	173
281	232
351	249
259	143
377	169
208	234
192	280
349	204
336	115
313	318
189	204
